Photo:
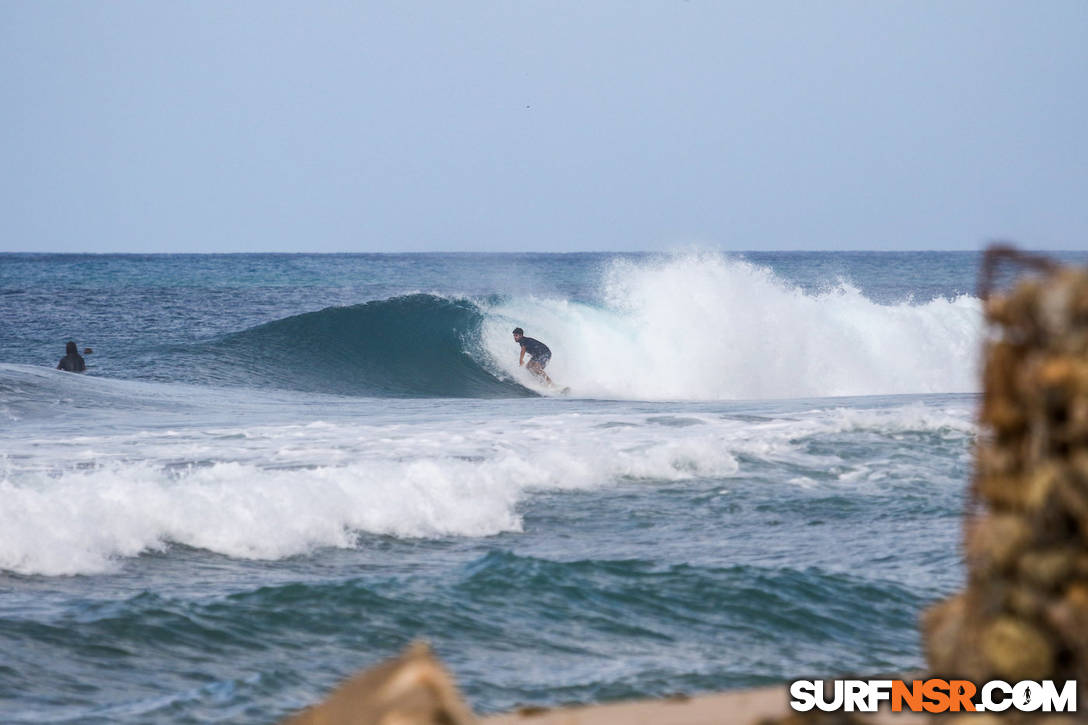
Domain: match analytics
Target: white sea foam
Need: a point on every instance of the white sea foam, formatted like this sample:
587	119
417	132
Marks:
705	327
80	505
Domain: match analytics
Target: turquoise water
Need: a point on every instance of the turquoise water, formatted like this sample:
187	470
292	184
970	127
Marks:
282	468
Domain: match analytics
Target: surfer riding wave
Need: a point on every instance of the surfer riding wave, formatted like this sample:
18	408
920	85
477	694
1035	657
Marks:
539	355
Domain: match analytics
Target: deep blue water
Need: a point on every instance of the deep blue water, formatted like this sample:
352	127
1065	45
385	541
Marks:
282	468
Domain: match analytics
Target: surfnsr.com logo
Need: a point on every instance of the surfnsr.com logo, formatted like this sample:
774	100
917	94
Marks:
933	696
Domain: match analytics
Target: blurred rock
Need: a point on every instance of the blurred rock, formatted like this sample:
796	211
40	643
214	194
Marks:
1024	612
1016	650
413	689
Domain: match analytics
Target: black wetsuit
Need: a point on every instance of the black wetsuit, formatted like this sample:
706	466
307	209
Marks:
538	351
72	362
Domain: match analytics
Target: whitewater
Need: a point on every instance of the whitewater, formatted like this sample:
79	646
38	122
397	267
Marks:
281	468
702	327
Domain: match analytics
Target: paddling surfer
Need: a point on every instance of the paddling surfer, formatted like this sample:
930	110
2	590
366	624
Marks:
72	361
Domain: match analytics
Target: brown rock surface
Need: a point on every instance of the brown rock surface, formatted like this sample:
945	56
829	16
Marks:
1024	612
413	689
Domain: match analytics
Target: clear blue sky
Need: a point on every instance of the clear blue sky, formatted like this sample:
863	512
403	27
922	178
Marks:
554	125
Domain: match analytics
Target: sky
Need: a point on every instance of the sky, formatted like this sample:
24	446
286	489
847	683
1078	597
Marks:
542	125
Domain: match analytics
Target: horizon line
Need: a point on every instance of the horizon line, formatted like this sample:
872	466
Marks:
555	253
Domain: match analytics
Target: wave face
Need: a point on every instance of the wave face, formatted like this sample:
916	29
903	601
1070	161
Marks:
706	327
416	345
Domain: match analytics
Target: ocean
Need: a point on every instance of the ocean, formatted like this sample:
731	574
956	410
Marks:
279	469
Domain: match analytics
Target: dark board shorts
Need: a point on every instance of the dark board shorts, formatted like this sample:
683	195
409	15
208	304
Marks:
542	360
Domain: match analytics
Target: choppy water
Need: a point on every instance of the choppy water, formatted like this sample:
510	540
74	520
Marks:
282	468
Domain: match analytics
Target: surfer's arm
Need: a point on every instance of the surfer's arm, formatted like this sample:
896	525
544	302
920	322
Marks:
521	360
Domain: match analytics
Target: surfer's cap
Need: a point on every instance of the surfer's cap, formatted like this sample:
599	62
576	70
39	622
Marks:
519	331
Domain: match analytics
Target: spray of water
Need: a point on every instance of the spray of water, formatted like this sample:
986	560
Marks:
705	327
